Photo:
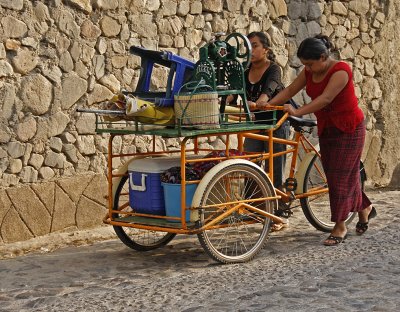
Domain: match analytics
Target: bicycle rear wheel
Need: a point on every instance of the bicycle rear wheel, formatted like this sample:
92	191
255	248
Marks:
317	208
138	239
239	236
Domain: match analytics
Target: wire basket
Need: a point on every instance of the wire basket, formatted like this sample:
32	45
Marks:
198	111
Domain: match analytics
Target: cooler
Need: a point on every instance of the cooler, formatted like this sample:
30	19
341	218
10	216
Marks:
172	195
145	191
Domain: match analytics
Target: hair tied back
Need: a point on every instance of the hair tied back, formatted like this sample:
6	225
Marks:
325	40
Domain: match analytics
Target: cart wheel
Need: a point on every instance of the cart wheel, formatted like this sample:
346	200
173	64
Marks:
239	236
316	208
138	239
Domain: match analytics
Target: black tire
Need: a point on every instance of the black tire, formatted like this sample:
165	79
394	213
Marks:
240	236
317	208
138	239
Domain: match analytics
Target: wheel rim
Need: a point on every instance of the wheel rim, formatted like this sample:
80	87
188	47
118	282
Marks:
241	234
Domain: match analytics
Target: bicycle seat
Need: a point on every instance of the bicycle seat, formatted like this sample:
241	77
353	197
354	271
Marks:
302	122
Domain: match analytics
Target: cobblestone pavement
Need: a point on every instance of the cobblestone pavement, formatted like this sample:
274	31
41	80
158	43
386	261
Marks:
293	272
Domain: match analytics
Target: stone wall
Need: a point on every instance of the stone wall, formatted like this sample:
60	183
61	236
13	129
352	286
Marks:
58	55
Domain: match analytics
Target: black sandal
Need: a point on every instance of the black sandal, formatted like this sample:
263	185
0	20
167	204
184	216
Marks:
362	227
336	240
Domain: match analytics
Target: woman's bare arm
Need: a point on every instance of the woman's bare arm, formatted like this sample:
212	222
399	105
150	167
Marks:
287	93
336	84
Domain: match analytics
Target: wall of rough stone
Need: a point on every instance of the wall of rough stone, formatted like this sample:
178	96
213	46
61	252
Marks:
57	55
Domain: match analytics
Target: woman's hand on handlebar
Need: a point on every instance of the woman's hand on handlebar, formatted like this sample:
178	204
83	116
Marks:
263	105
291	110
252	105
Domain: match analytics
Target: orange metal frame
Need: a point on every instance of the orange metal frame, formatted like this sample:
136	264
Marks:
299	140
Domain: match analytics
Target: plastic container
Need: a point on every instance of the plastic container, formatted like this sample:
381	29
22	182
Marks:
145	191
172	197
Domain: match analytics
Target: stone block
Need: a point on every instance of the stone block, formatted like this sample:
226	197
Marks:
66	23
46	173
109	26
86	124
83	5
36	94
55	144
360	7
215	6
99	94
97	189
277	8
8	179
6	69
12	4
31	210
183	7
15	165
105	4
169	7
14	229
66	63
89	213
57	124
339	8
36	161
54	160
5	134
13	27
111	82
29	174
16	149
196	7
64	211
75	186
5	204
73	88
26	129
25	61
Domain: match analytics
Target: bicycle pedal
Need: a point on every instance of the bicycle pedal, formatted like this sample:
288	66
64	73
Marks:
290	184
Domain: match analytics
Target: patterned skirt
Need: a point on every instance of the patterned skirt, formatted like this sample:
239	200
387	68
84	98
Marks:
340	155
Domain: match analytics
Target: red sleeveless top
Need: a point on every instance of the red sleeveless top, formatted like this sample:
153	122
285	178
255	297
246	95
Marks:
343	112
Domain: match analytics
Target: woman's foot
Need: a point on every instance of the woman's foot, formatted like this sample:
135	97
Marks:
338	234
334	240
364	216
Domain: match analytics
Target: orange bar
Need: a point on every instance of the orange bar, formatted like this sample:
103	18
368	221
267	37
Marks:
109	176
264	213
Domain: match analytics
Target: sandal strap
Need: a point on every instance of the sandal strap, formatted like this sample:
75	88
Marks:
337	240
362	225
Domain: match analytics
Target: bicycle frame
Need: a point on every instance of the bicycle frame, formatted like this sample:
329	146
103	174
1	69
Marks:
299	141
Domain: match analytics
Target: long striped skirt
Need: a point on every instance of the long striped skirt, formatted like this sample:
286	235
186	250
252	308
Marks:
340	155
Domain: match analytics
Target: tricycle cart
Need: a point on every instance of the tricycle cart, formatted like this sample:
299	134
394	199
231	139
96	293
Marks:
232	205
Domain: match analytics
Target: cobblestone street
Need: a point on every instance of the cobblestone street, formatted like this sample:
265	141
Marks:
294	272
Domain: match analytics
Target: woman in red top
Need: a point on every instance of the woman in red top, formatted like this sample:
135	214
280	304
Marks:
341	130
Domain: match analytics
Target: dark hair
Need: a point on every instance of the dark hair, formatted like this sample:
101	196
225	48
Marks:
314	48
265	43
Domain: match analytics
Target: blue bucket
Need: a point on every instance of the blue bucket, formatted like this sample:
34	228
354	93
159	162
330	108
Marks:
172	198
